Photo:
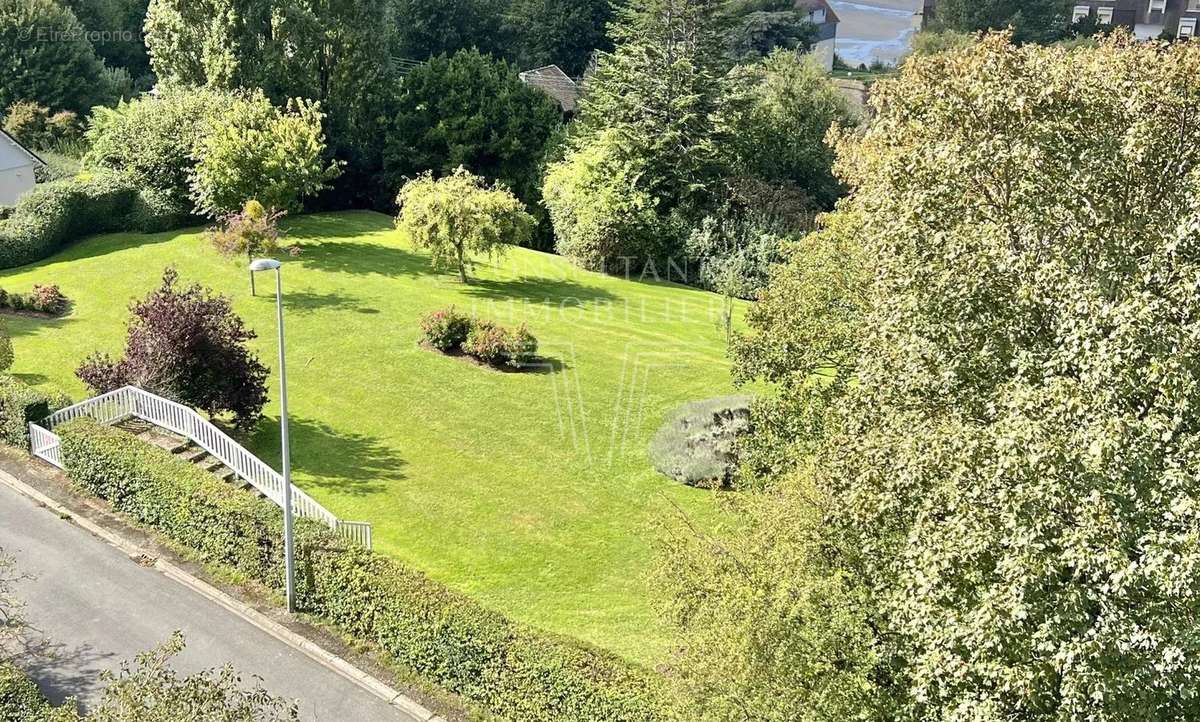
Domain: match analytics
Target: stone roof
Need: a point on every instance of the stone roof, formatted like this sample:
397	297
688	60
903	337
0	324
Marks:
551	80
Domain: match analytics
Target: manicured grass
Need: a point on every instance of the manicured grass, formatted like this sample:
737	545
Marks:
531	491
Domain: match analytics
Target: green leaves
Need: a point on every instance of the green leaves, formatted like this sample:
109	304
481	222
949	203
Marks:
1010	474
457	216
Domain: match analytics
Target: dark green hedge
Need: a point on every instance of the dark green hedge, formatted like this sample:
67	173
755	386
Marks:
21	701
21	404
57	213
512	670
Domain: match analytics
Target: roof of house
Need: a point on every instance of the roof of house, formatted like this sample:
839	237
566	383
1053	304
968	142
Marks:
32	156
811	5
551	80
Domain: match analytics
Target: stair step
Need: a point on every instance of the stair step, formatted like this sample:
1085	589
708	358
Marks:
164	440
210	464
192	453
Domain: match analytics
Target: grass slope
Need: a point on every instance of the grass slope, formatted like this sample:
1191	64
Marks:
532	491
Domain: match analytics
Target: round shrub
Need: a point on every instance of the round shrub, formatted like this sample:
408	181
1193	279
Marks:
697	445
47	299
496	345
445	329
487	342
522	346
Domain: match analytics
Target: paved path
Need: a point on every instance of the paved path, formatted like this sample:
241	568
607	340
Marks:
98	607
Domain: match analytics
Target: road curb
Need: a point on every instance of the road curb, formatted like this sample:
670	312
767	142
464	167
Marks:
313	651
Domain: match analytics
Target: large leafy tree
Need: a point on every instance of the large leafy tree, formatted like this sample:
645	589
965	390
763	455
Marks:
756	28
773	121
473	111
1031	20
187	344
257	151
336	52
153	140
428	29
46	58
651	102
565	33
117	29
996	514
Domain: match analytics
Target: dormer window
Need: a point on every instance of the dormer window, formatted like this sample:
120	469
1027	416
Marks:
1187	28
1081	12
1104	15
1158	6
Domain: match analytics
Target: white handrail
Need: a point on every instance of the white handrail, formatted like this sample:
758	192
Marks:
130	401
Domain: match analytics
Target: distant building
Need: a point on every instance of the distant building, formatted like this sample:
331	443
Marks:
822	15
17	167
552	81
1146	18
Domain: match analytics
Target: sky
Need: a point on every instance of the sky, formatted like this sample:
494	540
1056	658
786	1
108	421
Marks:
875	29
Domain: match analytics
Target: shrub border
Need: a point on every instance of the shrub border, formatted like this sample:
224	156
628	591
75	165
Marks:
511	669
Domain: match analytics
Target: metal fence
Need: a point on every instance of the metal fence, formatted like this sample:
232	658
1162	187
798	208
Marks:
132	402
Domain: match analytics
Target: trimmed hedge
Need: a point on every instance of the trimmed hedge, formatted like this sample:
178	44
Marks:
513	670
21	404
21	701
54	214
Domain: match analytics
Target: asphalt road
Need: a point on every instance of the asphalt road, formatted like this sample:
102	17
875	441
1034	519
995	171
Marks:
97	607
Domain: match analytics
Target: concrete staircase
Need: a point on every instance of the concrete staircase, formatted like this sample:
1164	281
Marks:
186	450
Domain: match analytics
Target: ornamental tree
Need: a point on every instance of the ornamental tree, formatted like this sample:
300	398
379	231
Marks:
187	344
996	515
458	216
255	150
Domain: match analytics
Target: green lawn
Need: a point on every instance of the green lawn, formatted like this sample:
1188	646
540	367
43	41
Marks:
530	491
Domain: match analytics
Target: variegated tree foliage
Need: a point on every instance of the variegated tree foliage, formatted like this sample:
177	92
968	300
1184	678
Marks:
1001	520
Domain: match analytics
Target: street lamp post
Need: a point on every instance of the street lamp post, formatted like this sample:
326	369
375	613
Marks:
289	551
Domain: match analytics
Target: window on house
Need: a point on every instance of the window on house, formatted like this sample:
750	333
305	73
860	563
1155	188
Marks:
1104	15
1193	6
1187	27
1081	12
1158	5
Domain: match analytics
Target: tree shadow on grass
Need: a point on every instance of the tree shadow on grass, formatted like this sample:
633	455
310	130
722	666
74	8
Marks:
102	245
308	302
33	379
22	325
350	224
547	291
363	258
344	461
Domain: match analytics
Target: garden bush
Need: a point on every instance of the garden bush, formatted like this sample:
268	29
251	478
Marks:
445	329
487	342
514	671
55	213
495	344
21	404
43	299
21	701
155	210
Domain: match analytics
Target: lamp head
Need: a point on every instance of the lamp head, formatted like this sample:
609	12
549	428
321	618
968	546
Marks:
265	264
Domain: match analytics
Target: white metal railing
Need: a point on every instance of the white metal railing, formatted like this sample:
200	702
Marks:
130	401
44	445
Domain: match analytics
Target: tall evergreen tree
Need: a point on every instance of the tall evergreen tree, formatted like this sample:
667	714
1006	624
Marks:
652	100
